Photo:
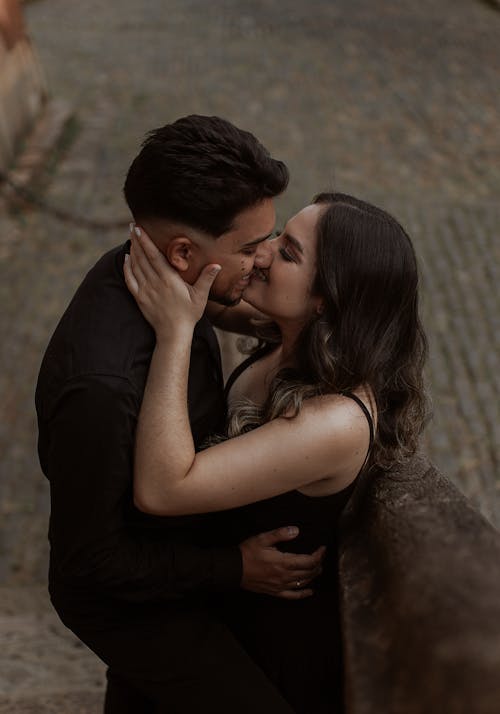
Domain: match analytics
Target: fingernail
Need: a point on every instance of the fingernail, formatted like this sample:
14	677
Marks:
127	257
130	227
216	269
137	231
292	530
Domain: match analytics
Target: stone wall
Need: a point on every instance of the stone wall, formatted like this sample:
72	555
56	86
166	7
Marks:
420	597
22	87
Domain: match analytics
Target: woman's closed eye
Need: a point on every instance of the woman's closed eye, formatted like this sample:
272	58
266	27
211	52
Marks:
286	255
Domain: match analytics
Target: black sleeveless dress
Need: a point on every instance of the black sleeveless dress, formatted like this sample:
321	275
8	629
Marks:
296	643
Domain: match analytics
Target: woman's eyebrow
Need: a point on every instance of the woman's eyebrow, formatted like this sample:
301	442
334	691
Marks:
296	243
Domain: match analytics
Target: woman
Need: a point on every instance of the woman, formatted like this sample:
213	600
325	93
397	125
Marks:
338	389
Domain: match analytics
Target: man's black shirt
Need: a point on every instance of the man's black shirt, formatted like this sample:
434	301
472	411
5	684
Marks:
105	555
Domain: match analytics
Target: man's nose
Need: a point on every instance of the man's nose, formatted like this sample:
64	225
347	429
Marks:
264	255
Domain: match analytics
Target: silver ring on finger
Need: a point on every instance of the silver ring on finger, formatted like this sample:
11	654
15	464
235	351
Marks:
298	584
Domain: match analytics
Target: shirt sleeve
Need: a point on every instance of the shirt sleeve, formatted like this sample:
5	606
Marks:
88	460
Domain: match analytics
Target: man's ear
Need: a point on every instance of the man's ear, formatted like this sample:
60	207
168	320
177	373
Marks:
179	253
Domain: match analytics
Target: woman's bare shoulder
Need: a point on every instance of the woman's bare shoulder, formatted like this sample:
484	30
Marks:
340	409
340	432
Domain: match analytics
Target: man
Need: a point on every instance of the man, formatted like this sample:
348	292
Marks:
133	587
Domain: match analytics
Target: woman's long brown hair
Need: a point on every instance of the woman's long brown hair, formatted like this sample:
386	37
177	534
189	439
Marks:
369	333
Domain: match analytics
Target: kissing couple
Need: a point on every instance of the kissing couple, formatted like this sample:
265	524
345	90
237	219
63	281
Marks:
193	524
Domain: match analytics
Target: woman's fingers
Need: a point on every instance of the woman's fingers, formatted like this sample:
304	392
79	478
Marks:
128	273
135	264
201	288
155	284
152	260
154	268
141	259
135	279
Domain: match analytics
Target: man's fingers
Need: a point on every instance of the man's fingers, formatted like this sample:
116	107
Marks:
319	553
302	576
295	561
295	594
279	535
299	562
296	581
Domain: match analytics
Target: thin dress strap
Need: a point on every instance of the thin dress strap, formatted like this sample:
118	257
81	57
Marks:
366	413
268	347
261	352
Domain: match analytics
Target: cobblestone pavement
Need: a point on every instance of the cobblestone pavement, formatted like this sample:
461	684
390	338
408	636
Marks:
394	102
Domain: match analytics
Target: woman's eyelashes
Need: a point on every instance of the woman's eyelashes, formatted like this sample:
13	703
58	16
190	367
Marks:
282	250
286	255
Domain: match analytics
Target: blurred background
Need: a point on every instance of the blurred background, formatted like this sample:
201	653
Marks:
394	102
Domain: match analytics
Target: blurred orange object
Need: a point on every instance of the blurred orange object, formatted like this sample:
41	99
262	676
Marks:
11	23
22	85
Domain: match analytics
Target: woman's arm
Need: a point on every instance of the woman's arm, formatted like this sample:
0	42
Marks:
327	439
234	319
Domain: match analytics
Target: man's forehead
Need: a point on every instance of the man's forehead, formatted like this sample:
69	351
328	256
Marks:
252	235
248	242
253	225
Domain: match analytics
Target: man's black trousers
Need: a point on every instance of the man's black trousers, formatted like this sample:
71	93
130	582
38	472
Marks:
180	661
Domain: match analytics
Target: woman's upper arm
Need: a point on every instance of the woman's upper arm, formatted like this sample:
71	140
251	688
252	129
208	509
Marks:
282	455
233	319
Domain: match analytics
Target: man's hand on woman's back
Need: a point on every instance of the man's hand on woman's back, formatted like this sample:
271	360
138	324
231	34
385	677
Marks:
269	571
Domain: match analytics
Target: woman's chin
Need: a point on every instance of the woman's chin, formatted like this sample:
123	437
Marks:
251	295
257	304
251	301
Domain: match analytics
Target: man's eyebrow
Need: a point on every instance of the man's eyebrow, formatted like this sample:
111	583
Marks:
257	240
296	243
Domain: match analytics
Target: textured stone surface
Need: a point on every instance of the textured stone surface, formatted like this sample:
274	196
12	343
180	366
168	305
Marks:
395	102
43	667
78	702
420	588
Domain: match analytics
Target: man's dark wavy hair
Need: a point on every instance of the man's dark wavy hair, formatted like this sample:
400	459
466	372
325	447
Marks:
201	171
